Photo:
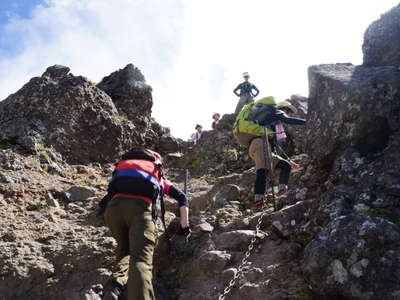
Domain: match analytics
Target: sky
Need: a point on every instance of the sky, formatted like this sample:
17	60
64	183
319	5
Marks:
192	52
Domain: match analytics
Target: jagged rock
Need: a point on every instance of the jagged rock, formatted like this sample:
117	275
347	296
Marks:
132	97
355	257
290	221
381	40
78	120
351	106
213	262
129	91
79	193
238	239
203	227
226	194
199	202
56	72
51	201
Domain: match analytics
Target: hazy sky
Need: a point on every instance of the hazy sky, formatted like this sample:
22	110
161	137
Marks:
192	52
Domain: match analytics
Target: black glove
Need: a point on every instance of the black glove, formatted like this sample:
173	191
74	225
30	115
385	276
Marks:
184	230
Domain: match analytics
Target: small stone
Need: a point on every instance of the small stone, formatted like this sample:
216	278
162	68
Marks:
51	201
229	192
73	208
80	193
203	227
277	225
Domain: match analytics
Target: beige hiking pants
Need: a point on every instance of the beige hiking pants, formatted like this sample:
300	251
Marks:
257	154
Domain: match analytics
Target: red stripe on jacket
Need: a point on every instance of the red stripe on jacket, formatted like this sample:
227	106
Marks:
140	164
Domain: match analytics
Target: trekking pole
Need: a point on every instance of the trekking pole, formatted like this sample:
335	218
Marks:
268	162
186	180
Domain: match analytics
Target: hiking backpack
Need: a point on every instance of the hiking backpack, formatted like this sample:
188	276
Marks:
248	119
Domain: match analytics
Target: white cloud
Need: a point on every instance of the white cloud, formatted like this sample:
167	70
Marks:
192	52
94	38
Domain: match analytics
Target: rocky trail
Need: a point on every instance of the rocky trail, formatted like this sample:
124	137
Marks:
336	235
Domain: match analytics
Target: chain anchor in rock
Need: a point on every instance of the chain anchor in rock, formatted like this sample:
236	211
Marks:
246	256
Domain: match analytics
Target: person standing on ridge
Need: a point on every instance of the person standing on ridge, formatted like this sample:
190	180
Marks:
246	92
129	209
249	129
216	117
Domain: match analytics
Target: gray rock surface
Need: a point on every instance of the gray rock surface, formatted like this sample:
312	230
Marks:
80	193
351	106
355	257
129	91
68	113
381	40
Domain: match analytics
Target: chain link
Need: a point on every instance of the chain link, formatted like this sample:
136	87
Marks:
246	256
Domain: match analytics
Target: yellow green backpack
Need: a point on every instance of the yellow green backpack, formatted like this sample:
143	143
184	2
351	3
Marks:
248	118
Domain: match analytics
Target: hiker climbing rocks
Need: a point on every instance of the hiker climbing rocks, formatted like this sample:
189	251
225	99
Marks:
249	129
129	210
246	92
195	137
216	117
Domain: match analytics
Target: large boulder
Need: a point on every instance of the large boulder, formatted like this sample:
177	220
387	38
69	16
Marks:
381	40
133	99
355	257
129	91
71	115
351	106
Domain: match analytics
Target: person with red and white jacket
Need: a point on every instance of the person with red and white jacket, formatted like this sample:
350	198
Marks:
128	209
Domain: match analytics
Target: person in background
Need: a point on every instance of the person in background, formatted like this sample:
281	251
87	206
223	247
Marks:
216	117
195	137
245	92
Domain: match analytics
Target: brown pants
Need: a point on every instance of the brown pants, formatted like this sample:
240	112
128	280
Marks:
256	150
243	100
131	225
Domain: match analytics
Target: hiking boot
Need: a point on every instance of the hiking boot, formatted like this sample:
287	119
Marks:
257	205
258	201
113	292
283	190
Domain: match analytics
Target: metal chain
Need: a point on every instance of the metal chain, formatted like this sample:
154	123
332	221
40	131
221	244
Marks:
246	256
